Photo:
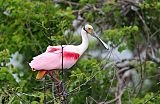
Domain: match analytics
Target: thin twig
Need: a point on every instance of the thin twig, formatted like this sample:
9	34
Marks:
93	100
66	2
62	85
62	62
75	89
44	90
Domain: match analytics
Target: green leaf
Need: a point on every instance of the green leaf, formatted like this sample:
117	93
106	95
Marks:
34	102
121	48
2	76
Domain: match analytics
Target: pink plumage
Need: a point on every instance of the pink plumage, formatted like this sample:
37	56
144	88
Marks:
52	58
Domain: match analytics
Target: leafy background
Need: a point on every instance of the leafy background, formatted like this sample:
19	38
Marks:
27	27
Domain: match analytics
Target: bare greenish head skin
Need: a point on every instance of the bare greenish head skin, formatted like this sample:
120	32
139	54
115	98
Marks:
88	28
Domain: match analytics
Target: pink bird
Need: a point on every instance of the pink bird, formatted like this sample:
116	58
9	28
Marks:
52	58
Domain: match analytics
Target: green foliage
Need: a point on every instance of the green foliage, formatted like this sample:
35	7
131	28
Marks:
88	80
149	98
29	26
117	36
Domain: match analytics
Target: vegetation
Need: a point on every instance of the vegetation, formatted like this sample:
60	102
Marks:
29	26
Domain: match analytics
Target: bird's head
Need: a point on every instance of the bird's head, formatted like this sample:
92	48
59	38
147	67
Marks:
89	29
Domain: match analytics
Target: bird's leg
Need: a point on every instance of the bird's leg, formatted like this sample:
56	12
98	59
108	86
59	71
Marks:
54	91
58	83
54	74
60	88
57	75
53	77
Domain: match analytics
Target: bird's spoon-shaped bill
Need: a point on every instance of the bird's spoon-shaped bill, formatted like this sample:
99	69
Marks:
101	41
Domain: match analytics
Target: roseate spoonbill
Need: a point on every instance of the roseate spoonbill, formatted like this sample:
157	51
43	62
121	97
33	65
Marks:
52	58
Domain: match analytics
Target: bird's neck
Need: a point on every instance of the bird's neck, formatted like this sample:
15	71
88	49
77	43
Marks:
84	45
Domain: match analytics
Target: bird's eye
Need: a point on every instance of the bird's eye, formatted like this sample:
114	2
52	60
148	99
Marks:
89	30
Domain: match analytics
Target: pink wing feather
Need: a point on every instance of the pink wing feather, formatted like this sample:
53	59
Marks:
52	58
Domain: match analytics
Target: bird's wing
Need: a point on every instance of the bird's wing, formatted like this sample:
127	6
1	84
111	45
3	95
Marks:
53	48
45	61
52	58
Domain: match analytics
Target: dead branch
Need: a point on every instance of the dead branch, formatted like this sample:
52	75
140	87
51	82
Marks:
66	2
124	73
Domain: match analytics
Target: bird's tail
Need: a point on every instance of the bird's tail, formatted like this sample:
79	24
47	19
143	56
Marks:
40	74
